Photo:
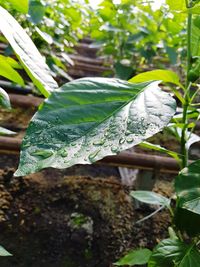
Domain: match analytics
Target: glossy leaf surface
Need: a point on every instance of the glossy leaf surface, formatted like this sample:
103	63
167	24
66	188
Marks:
160	75
170	253
27	52
4	99
152	198
88	119
139	257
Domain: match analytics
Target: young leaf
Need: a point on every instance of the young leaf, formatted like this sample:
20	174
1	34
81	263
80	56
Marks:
4	252
4	99
187	186
158	75
4	131
27	53
160	149
150	198
139	257
88	119
8	72
173	252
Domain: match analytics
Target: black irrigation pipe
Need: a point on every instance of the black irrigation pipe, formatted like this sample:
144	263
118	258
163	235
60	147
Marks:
11	145
10	87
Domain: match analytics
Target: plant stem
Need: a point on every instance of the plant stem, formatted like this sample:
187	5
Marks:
184	137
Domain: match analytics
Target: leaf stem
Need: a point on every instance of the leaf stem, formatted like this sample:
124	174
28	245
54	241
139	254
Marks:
184	149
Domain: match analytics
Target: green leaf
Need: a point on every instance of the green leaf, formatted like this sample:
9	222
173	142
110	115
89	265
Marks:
139	257
193	10
176	5
160	149
4	99
27	53
187	186
150	198
4	131
8	72
12	62
36	11
4	252
159	75
173	252
19	5
88	119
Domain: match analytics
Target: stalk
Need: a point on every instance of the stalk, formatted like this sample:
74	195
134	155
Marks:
184	137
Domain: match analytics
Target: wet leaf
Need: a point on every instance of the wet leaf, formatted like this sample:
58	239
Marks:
92	118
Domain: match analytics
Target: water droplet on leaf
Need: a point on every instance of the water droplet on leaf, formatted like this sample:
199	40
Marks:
93	155
42	153
114	149
63	152
129	139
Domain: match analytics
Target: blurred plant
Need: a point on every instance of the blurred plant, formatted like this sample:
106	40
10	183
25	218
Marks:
132	33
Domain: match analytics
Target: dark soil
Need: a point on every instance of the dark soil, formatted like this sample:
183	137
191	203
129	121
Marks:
79	217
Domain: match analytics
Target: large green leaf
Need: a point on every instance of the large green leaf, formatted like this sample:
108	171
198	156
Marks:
170	253
4	99
7	71
187	186
139	257
27	52
152	198
4	252
160	75
88	119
